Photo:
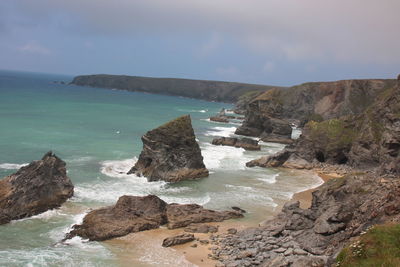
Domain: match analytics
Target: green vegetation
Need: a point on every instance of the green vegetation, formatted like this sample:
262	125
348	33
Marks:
316	117
380	246
334	133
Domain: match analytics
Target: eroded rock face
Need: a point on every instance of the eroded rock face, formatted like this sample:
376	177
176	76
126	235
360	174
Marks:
246	143
268	114
133	214
33	189
171	153
369	140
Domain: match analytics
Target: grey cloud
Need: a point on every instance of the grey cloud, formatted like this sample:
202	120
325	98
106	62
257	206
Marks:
340	30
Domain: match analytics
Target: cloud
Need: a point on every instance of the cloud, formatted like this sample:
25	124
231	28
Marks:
269	66
227	72
211	45
35	48
364	31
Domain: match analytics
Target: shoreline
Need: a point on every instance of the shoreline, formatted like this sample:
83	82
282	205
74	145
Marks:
135	245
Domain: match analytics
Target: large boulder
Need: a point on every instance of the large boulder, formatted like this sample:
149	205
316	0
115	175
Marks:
171	153
33	189
246	143
129	215
134	214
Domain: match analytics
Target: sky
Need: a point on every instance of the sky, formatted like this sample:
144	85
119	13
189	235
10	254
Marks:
275	42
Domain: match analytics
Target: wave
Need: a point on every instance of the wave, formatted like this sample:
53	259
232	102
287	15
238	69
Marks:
109	190
225	157
269	179
194	110
118	168
12	166
221	131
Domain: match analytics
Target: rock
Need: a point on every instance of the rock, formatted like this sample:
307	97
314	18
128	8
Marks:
219	119
246	143
171	153
184	215
299	251
238	209
177	240
133	214
271	161
33	189
194	246
232	231
201	228
130	214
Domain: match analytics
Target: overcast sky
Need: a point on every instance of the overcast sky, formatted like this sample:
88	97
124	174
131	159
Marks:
279	42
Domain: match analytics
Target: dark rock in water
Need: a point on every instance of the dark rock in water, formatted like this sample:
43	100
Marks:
267	128
177	240
246	143
219	119
238	209
130	214
183	215
133	214
171	153
201	228
33	189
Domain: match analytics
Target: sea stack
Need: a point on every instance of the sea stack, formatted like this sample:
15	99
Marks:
171	153
33	189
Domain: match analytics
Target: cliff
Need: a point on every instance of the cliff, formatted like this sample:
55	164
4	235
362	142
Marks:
367	140
310	101
200	89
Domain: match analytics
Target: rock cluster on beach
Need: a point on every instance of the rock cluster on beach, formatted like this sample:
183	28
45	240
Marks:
171	153
341	209
246	143
133	214
33	189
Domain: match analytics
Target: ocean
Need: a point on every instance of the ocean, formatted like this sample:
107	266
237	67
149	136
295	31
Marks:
97	133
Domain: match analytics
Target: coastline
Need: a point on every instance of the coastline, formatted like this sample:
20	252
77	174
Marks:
133	246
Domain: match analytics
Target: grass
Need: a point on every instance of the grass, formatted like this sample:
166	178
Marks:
378	247
335	132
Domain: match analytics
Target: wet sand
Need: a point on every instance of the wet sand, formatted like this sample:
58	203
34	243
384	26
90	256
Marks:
305	197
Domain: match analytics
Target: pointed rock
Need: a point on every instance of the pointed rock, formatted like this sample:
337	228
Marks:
171	153
33	189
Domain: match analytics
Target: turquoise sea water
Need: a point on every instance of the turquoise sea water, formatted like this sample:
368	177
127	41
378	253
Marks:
97	132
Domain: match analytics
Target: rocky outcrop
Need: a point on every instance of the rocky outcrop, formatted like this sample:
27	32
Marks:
177	240
133	214
368	140
267	128
171	153
33	189
246	143
184	215
207	90
310	101
219	119
342	208
201	228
